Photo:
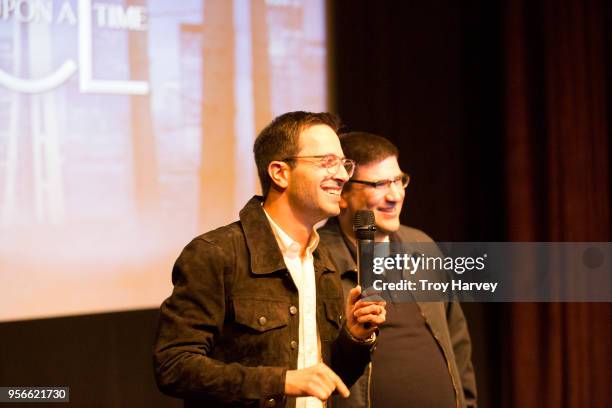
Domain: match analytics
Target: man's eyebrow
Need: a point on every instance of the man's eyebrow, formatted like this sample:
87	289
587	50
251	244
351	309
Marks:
389	178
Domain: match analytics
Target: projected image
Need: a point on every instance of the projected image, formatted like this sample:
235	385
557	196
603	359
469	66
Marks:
126	129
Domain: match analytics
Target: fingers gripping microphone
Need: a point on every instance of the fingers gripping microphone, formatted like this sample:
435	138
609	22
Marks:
364	226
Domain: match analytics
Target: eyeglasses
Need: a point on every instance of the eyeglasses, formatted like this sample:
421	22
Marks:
385	185
330	162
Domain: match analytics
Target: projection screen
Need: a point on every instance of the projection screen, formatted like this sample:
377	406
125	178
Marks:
126	129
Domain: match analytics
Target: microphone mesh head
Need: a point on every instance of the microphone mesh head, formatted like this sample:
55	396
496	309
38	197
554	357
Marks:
364	219
364	225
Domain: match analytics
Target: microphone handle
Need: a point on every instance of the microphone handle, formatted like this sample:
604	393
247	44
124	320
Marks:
364	266
364	261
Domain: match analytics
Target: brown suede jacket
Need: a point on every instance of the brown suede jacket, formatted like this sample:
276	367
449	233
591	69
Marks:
228	333
445	321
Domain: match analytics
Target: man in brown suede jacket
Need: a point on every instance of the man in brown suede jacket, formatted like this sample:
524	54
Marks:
257	317
423	358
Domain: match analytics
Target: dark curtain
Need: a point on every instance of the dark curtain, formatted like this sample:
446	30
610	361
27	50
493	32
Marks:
501	111
558	182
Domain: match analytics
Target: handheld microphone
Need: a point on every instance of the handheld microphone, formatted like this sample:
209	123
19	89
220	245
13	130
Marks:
364	226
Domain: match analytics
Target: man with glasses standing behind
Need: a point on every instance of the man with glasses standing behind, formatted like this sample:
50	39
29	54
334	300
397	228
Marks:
423	358
257	316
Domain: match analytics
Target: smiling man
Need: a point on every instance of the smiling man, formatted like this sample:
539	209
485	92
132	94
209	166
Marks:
256	317
423	357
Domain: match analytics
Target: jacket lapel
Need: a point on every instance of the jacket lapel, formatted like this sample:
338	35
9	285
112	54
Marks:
266	256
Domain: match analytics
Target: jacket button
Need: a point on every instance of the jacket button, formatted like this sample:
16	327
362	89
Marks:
271	403
263	321
293	310
294	344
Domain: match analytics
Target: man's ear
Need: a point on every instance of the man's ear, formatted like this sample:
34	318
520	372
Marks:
279	173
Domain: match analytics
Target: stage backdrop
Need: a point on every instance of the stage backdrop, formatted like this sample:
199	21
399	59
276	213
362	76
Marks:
126	129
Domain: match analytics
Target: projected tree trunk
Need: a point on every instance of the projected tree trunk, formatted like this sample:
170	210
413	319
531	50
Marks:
217	173
261	66
144	155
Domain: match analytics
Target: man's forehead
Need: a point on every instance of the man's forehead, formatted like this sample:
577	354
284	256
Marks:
383	169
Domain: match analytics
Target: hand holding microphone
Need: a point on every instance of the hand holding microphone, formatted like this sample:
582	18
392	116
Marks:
369	312
363	316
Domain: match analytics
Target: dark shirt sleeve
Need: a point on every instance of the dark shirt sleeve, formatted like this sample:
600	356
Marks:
462	347
349	357
190	322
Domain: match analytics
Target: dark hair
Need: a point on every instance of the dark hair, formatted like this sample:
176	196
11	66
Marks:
280	139
366	148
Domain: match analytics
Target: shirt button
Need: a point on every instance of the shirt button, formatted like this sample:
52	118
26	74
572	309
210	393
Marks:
271	403
294	344
293	310
263	321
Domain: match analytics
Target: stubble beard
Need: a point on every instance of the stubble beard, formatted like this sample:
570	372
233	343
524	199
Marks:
312	208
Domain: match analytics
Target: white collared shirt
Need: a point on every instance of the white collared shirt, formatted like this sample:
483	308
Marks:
303	275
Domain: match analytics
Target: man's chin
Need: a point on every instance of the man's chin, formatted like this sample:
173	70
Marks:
332	210
328	209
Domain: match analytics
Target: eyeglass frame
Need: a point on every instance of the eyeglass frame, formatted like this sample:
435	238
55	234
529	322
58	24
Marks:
379	184
341	162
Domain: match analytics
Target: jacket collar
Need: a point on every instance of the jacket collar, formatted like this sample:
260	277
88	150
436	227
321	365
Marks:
266	256
339	245
342	247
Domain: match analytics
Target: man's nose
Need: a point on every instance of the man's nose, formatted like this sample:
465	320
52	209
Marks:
395	193
341	174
